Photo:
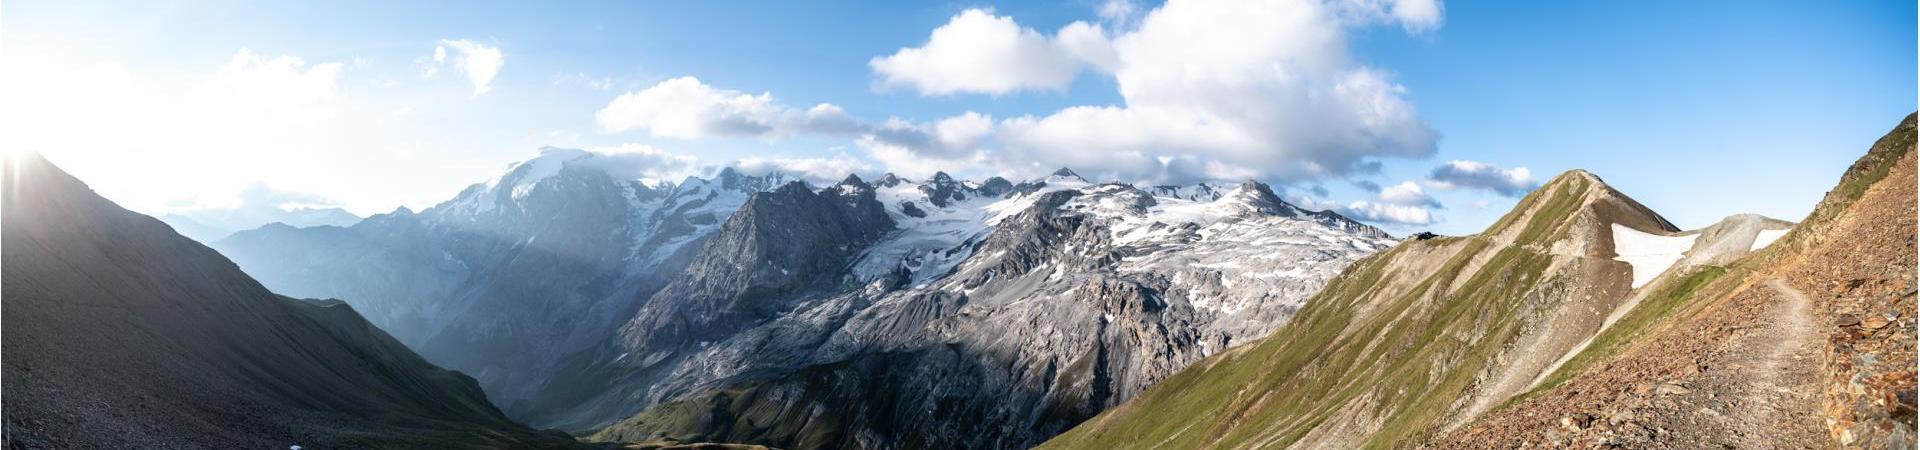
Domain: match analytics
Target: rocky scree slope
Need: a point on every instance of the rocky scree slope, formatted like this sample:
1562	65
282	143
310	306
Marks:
119	332
1043	301
983	319
1808	343
1421	338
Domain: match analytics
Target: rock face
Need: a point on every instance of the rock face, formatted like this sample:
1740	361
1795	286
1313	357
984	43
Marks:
991	321
121	333
830	316
513	274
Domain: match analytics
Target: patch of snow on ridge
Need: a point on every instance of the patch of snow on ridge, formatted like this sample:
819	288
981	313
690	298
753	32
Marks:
928	246
1766	238
1649	254
541	168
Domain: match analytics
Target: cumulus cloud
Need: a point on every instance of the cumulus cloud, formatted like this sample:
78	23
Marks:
1388	213
1315	202
979	52
641	162
1210	90
1400	204
1513	182
285	81
1407	193
950	138
478	61
686	108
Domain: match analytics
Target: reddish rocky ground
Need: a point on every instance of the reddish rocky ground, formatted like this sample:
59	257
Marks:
1808	344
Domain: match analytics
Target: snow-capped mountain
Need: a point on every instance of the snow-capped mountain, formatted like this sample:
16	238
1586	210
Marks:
578	298
1023	312
512	274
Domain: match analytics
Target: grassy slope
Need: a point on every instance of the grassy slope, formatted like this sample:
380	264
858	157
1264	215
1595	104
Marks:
1414	351
1704	286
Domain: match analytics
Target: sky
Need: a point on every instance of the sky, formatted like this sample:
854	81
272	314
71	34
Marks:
1410	114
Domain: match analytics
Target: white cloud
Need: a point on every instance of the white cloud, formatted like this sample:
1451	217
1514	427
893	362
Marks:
1211	90
909	163
949	138
1405	203
641	162
977	51
1119	12
286	81
1416	16
1391	214
819	171
479	61
1457	174
686	108
1407	193
1313	203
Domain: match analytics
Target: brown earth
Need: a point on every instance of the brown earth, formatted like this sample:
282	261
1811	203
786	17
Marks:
1752	362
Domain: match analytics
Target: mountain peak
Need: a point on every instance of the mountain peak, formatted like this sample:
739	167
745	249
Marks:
1574	211
889	180
853	180
1065	173
1261	198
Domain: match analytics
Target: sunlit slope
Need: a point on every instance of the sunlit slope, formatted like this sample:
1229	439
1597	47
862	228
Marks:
1808	342
1406	342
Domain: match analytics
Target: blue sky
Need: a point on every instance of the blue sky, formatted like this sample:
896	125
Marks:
1698	109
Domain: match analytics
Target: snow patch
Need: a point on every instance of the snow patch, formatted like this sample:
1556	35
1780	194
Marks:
1766	238
1649	254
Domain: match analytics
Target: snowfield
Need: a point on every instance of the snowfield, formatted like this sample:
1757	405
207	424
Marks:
1766	238
1649	254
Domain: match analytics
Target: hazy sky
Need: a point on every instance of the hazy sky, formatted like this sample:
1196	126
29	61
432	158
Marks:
1410	113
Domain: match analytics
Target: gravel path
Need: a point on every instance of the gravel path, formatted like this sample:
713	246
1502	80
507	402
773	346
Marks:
1771	401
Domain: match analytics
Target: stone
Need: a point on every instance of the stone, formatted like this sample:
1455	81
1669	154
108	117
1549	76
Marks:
1672	389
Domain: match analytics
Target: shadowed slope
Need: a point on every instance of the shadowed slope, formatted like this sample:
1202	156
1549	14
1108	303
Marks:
121	333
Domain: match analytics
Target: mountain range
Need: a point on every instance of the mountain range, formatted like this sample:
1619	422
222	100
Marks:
762	310
1583	320
580	299
208	225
